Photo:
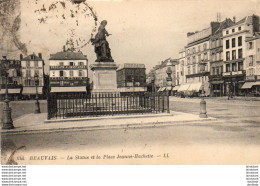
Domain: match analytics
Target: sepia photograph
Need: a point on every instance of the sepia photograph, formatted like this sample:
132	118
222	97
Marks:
130	82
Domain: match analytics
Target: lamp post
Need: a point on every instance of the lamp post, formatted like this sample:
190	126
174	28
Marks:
37	104
203	109
169	84
7	111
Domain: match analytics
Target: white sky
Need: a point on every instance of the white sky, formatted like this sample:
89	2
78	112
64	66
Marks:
145	31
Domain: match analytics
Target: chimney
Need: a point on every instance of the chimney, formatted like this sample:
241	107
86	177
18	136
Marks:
64	49
40	55
21	56
234	19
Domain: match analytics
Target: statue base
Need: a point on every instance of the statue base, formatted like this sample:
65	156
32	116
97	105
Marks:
104	77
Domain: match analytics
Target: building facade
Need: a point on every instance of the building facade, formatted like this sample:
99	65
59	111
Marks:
161	75
131	77
32	66
14	82
197	68
180	72
234	53
216	59
68	72
252	66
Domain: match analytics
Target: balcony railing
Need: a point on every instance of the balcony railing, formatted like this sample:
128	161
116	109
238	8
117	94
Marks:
234	73
68	67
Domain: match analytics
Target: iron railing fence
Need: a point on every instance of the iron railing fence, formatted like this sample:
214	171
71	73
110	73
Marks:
80	104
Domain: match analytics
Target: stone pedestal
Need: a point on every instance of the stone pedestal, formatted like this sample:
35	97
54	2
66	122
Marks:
104	77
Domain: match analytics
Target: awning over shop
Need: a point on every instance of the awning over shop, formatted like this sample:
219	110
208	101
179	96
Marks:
195	87
176	88
168	88
68	89
11	91
163	89
159	90
184	87
248	85
31	90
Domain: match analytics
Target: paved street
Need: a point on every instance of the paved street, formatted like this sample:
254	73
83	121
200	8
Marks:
232	139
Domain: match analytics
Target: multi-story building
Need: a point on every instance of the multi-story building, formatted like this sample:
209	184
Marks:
234	52
216	59
252	65
14	78
160	74
198	59
180	72
32	66
131	78
68	72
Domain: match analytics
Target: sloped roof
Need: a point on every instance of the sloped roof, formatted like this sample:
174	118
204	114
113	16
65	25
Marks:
32	57
68	55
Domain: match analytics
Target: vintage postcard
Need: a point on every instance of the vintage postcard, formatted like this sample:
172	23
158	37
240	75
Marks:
130	82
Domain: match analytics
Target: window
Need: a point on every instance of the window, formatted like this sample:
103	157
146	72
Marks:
213	44
198	48
205	56
233	54
233	30
81	63
61	73
240	66
234	67
194	69
36	63
221	55
80	73
251	60
213	57
233	42
240	53
251	72
188	60
193	59
250	45
240	41
227	32
27	63
188	70
227	44
36	72
71	73
205	46
71	63
239	28
137	84
61	64
194	50
199	58
217	43
227	56
188	51
217	57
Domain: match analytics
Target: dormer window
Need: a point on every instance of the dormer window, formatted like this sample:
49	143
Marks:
239	28
227	32
233	30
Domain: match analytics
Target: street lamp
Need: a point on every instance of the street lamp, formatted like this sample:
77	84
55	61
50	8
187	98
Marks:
37	104
203	109
7	111
169	77
169	83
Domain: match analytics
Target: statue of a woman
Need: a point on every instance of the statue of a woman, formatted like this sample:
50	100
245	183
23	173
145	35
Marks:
102	49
